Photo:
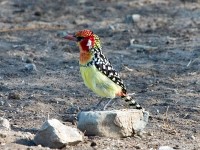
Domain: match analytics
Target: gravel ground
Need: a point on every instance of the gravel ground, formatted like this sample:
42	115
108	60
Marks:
154	44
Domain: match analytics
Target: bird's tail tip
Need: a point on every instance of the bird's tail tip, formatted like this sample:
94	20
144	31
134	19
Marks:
132	102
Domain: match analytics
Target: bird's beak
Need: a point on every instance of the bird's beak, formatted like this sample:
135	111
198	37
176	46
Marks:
67	36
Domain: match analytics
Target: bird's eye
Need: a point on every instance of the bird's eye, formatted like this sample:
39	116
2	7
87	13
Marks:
79	38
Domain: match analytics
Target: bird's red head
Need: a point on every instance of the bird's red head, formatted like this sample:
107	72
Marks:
84	38
84	33
87	42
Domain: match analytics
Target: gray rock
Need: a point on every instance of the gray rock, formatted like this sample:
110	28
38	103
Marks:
54	134
133	18
4	124
30	67
114	123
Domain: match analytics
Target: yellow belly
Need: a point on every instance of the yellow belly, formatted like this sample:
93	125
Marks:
99	83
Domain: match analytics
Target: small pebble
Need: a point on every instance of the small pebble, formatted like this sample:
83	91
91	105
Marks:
14	95
136	17
132	41
30	67
38	13
190	136
39	146
93	144
2	103
193	137
149	134
137	147
2	135
4	124
133	18
27	60
176	147
165	148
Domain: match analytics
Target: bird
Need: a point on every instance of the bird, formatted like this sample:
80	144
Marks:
96	70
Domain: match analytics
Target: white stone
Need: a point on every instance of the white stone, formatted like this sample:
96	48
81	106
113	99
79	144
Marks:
4	124
114	123
133	18
165	148
136	17
54	134
30	67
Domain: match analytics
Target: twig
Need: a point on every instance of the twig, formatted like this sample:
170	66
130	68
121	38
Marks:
166	126
143	47
189	63
166	117
192	61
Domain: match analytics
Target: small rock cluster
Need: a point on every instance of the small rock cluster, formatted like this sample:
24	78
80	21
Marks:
54	134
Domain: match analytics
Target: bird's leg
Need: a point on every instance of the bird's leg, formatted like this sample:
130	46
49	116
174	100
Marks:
93	107
96	106
106	105
99	103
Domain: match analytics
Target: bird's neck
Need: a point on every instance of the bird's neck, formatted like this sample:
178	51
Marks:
85	56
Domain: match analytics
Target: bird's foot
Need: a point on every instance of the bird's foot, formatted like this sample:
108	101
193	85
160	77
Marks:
100	106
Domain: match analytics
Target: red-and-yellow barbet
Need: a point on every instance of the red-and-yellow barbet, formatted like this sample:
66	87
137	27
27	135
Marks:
97	72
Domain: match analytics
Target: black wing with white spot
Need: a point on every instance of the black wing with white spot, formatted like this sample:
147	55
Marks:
103	65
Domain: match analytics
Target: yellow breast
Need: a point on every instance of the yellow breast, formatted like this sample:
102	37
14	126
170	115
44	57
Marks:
98	82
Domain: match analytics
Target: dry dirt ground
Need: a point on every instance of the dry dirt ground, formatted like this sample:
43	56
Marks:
165	75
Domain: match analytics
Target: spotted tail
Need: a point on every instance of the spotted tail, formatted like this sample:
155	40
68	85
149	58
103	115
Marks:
132	102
